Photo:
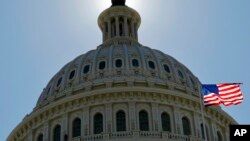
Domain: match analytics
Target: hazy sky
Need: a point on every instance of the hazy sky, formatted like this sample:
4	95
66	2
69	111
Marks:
38	37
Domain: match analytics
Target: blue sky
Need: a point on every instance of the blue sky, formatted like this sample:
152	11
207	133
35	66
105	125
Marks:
37	38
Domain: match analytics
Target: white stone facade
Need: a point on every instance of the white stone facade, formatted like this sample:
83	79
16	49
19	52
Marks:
122	75
155	103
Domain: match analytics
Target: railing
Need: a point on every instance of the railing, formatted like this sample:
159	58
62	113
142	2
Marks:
117	135
137	135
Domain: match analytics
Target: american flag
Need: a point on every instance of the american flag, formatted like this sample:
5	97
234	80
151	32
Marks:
226	94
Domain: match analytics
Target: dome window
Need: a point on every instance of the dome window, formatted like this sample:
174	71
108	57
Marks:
86	69
59	82
120	121
143	121
57	133
118	63
219	136
165	121
166	68
180	74
98	124
202	131
135	63
102	65
186	126
72	74
151	64
40	137
76	129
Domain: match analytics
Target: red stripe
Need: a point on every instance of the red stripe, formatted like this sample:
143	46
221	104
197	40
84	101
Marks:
232	97
230	92
229	87
236	102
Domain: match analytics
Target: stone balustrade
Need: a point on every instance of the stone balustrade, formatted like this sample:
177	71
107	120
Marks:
137	135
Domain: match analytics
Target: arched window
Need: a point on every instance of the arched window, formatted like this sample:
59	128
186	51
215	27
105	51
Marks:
57	133
72	74
102	65
180	74
118	63
165	121
186	126
40	137
98	124
143	121
65	137
76	129
86	69
151	64
219	136
202	131
135	63
59	82
120	121
166	68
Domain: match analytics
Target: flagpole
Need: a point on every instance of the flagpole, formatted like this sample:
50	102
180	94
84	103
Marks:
227	83
202	113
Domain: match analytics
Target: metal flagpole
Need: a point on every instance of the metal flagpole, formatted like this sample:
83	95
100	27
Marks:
202	113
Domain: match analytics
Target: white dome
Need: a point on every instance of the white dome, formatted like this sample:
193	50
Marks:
83	73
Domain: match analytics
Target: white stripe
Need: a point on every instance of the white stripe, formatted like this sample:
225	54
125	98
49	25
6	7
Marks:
229	91
208	97
212	102
230	95
233	103
226	87
232	98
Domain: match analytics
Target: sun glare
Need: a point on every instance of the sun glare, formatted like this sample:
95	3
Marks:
102	4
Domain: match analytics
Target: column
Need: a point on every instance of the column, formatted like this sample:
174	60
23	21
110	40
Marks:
197	125
133	29
126	26
46	131
177	120
117	26
214	132
132	116
227	135
109	29
104	32
86	121
155	117
30	135
65	126
109	115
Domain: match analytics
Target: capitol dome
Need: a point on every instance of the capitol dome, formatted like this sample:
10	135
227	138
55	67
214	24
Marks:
122	90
